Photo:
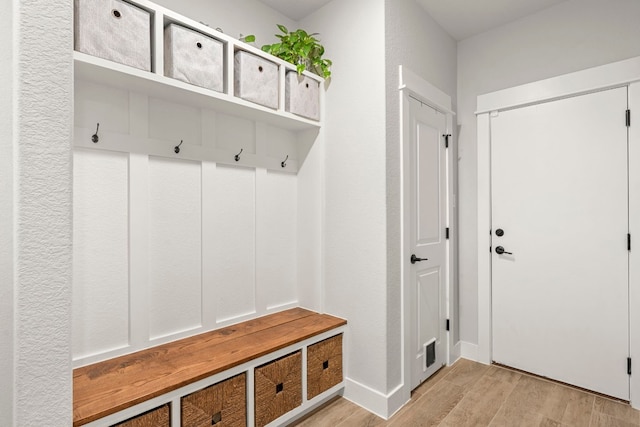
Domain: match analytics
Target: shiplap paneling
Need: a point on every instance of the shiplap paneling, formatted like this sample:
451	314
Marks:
175	249
277	274
174	122
106	105
100	252
230	233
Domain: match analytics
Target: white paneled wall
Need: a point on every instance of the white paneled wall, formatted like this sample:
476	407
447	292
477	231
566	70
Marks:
175	246
101	252
166	247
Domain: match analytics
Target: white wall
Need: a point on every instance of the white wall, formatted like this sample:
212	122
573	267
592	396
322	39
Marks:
35	273
571	36
234	17
414	40
355	256
6	213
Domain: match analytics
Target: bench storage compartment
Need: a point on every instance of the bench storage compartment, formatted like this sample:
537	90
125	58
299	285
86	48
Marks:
159	417
324	365
278	388
222	404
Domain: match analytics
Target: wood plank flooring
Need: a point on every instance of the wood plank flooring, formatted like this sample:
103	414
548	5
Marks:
472	394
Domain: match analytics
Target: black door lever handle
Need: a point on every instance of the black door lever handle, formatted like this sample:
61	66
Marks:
415	259
500	250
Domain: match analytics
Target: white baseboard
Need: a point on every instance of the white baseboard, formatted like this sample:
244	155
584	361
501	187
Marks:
372	400
456	353
469	351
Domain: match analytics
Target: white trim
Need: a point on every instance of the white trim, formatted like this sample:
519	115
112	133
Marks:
598	78
590	80
634	255
383	405
424	91
469	351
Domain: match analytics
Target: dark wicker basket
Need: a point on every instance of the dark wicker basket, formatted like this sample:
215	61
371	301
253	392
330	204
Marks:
223	404
159	417
324	365
278	388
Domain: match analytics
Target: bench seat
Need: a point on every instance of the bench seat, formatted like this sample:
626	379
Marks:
110	386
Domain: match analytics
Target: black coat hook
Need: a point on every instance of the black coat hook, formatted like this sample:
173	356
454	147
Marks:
95	138
284	162
177	147
237	157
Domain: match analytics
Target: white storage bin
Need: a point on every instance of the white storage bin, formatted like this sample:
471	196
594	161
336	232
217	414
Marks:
193	57
302	95
256	79
114	30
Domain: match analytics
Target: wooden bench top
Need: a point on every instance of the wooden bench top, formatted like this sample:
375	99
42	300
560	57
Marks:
110	386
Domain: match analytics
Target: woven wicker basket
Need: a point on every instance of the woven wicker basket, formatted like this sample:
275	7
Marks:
278	388
324	365
159	417
222	404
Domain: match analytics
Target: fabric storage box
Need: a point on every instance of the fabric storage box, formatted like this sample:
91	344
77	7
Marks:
278	388
193	57
114	30
222	404
302	95
324	365
159	417
256	79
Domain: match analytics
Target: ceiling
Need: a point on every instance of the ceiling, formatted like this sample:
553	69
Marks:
466	18
296	9
460	18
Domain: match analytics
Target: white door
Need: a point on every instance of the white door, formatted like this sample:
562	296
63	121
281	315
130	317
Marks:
427	240
560	214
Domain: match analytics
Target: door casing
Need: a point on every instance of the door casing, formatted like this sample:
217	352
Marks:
411	85
619	74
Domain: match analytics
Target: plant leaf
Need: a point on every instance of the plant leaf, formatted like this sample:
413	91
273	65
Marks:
283	28
250	38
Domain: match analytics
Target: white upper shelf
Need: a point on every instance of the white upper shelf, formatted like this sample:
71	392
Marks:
98	70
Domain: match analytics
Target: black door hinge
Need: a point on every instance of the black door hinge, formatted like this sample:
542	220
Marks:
447	324
629	242
629	365
446	139
447	233
628	117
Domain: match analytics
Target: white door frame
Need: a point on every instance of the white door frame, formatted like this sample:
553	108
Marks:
411	85
623	73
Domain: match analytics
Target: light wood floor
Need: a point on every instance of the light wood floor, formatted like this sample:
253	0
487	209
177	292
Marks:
472	394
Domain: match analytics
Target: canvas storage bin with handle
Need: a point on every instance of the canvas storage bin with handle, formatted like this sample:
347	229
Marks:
114	30
256	79
302	96
193	57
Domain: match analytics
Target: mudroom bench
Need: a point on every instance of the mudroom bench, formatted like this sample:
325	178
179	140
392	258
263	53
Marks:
264	371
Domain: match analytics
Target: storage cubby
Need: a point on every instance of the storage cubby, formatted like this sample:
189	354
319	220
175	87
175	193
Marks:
223	404
278	388
324	365
158	417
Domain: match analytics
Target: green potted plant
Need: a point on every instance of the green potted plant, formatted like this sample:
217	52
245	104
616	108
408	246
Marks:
301	49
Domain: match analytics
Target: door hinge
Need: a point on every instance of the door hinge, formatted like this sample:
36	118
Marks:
629	365
629	242
446	139
447	233
628	117
447	324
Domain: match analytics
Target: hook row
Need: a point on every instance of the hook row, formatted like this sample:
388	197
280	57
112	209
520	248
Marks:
95	138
